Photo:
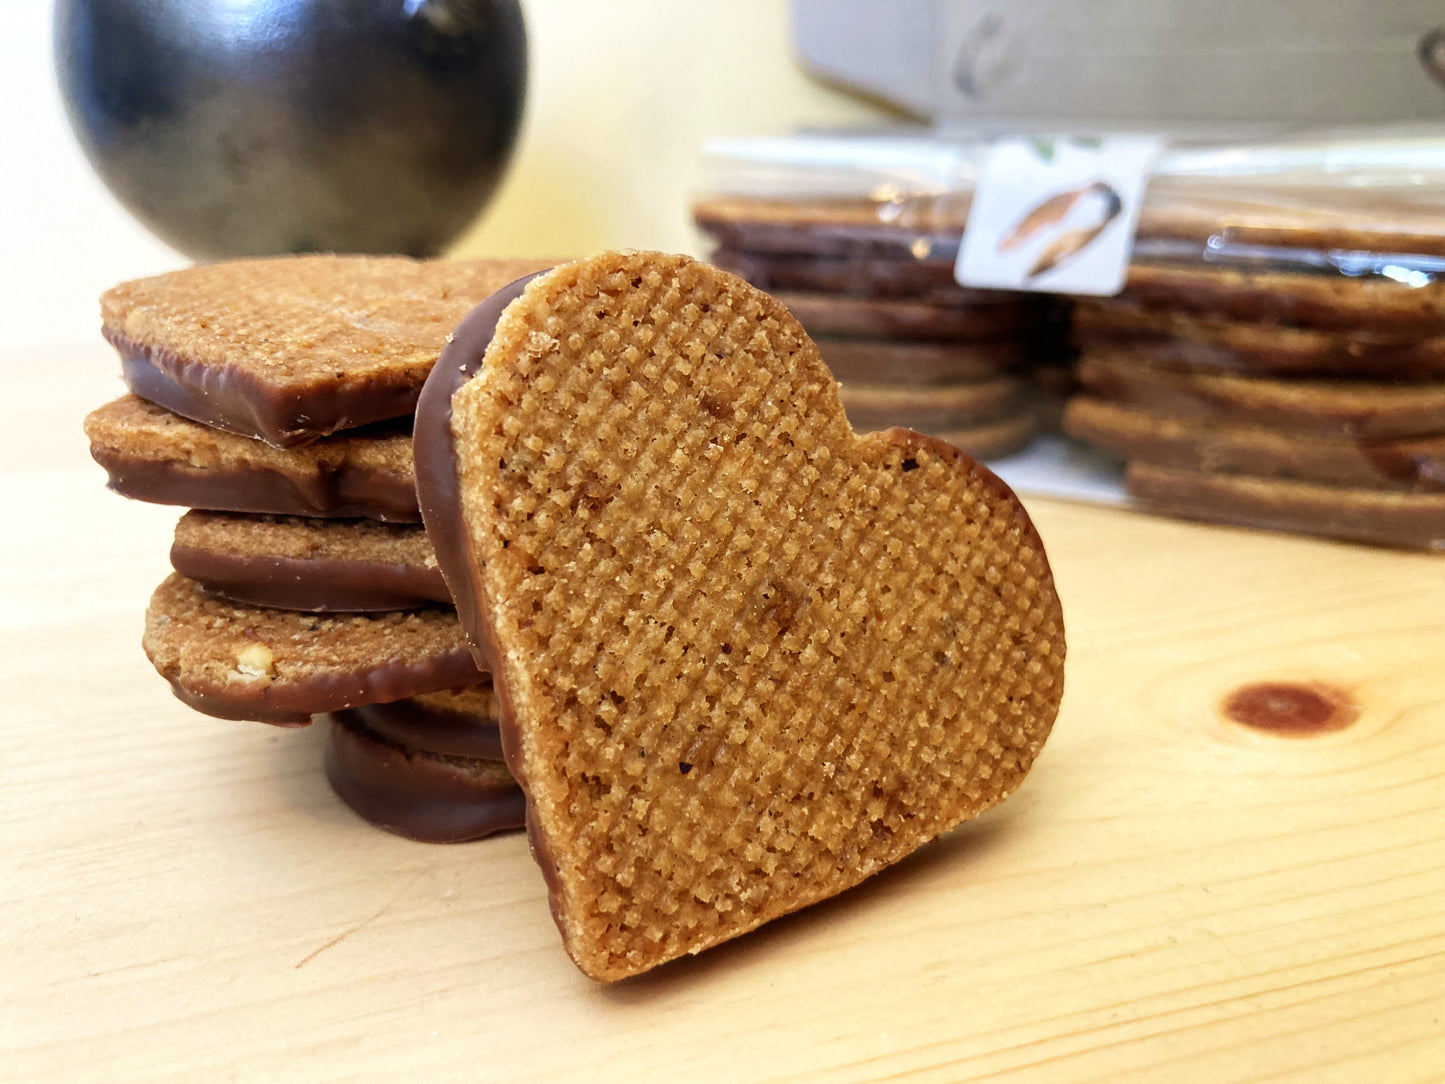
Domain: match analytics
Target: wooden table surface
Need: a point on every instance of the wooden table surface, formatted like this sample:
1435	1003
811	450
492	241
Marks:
1170	896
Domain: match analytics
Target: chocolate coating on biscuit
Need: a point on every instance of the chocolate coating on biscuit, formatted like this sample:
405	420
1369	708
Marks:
1376	516
285	583
438	494
295	703
230	398
155	455
313	586
274	666
856	275
345	493
435	455
422	795
417	725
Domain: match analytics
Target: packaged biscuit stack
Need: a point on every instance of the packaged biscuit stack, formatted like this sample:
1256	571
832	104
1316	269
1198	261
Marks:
273	398
1277	357
856	238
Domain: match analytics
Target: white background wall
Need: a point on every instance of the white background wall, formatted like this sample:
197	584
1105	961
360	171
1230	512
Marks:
622	95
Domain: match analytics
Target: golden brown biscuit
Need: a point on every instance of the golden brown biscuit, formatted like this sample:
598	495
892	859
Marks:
289	349
151	454
316	565
1326	300
878	361
427	767
1187	341
944	406
279	666
993	440
928	227
1220	447
873	277
1339	407
1382	517
745	658
860	317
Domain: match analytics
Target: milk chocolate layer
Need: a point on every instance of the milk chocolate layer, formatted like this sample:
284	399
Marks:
435	458
438	723
1195	444
230	398
346	493
418	794
311	586
440	499
848	317
1381	517
1184	340
1372	411
154	455
318	566
276	666
918	364
859	276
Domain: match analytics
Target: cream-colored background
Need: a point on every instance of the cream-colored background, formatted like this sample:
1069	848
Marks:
622	95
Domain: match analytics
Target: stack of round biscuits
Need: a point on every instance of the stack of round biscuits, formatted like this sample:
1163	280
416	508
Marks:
1277	397
909	345
274	399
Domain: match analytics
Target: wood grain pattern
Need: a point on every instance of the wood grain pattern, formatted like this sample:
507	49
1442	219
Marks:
1169	897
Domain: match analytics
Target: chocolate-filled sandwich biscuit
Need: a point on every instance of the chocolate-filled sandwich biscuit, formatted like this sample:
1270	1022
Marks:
428	768
879	361
993	439
858	317
455	722
745	658
1327	300
861	276
928	226
1199	444
1324	406
282	667
289	349
151	454
925	228
318	565
948	406
1186	341
1379	516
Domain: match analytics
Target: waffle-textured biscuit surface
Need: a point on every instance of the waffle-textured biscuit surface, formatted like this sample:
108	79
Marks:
291	348
746	658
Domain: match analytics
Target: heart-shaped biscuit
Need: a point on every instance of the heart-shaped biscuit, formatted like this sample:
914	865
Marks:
745	658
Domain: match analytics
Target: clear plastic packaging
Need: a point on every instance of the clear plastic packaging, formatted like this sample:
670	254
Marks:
1276	358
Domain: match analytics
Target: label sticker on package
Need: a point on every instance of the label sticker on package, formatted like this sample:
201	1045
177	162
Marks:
1056	215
